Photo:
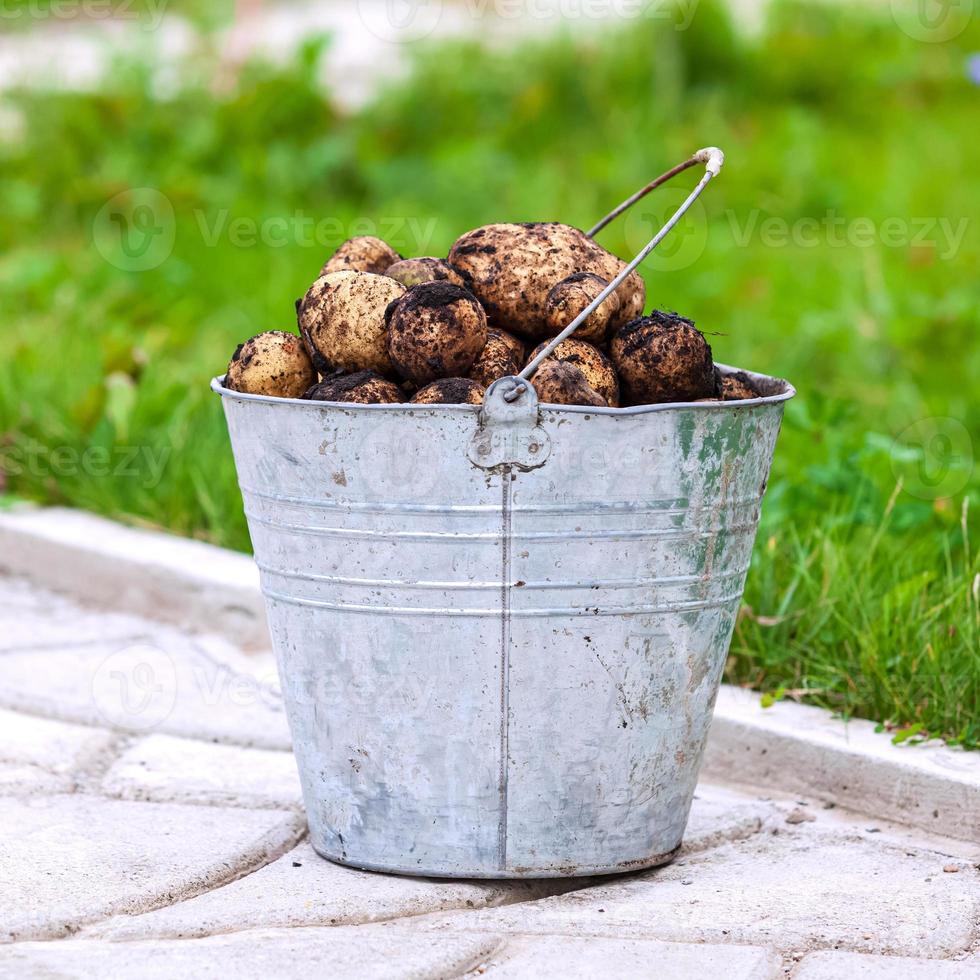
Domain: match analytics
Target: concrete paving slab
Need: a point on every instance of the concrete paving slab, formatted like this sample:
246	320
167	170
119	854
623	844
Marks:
168	769
802	749
20	594
627	959
287	954
795	890
719	815
147	573
37	619
32	780
303	889
830	965
68	860
54	747
179	683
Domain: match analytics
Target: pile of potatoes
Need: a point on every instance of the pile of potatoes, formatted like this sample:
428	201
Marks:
377	328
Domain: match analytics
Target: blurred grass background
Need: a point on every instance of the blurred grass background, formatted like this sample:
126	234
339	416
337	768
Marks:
863	595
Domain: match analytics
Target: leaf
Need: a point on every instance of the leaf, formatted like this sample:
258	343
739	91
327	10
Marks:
770	698
904	734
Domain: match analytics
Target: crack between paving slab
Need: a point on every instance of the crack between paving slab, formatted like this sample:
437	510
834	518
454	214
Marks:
231	803
568	886
36	710
577	930
92	765
265	858
69	645
572	886
95	766
495	950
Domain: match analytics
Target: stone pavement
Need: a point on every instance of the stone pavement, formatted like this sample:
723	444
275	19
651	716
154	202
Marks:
151	825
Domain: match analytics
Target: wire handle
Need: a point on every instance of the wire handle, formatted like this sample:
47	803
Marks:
713	160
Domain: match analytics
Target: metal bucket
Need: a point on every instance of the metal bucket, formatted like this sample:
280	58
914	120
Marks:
501	632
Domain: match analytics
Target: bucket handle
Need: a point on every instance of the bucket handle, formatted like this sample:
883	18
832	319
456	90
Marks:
713	160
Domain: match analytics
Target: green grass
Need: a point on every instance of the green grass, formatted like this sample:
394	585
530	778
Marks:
25	15
863	592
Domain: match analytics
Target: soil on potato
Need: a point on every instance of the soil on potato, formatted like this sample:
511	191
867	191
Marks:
435	330
736	387
562	383
450	391
364	387
513	267
664	357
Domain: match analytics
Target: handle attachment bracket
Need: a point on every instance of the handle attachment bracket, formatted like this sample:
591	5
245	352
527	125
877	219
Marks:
509	431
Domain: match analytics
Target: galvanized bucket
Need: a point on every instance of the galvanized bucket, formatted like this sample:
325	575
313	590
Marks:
501	629
500	633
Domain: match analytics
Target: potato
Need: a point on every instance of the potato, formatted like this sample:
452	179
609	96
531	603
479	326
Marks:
498	359
511	268
516	345
562	383
450	391
435	330
365	387
571	296
410	272
663	358
271	363
364	254
342	320
736	386
597	368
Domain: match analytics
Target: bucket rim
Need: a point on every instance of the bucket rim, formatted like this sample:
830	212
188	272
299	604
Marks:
787	391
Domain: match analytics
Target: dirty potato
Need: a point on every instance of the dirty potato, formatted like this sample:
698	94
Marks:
498	359
663	358
363	254
272	363
597	368
562	383
511	268
410	272
342	320
736	386
364	387
450	391
514	343
435	330
573	295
